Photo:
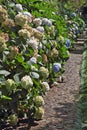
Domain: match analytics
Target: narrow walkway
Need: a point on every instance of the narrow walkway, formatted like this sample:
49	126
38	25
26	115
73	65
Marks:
60	101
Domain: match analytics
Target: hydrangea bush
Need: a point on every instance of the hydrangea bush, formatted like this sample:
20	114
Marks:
33	50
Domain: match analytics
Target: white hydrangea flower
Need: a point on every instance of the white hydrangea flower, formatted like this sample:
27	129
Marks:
26	82
44	72
39	101
37	21
33	60
56	84
21	19
40	28
32	43
19	7
37	34
28	14
10	85
54	52
39	113
24	33
47	22
45	86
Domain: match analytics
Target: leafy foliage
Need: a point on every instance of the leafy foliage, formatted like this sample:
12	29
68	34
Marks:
82	103
33	36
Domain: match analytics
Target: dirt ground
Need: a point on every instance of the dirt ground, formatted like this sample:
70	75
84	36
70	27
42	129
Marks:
60	107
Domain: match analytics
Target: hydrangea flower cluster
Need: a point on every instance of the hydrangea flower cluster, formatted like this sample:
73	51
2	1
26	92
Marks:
26	82
73	14
39	111
3	14
45	86
68	43
39	101
56	67
10	85
44	72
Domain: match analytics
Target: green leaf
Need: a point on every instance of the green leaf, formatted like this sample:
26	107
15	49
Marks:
20	58
4	72
84	125
2	80
16	77
34	75
6	97
25	65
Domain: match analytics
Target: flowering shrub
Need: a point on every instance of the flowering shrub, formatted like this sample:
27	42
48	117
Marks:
33	47
82	99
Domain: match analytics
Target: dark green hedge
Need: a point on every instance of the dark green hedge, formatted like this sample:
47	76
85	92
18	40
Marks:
81	123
